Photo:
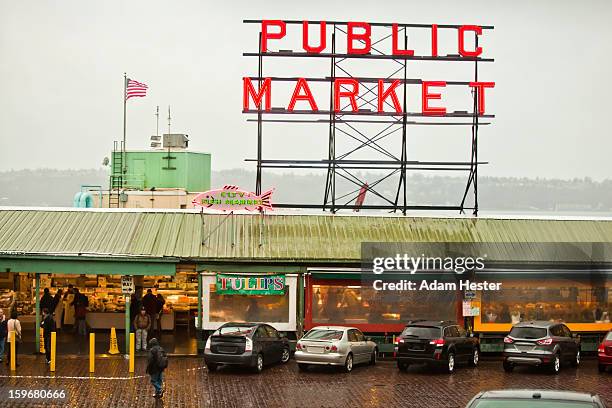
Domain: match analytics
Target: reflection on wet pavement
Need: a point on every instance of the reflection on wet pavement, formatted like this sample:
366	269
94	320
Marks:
189	384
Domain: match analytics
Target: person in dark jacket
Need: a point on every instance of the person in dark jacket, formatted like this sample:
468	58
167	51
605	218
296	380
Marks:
46	301
156	364
48	325
150	303
159	312
135	306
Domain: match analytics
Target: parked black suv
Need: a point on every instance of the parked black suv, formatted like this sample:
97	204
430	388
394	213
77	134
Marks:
439	343
540	343
246	344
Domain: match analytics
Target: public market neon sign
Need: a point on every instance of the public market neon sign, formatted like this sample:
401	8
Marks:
359	42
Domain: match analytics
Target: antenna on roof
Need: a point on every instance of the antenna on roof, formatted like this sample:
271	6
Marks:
169	119
157	121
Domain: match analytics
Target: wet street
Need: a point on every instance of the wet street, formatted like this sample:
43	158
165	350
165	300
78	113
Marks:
188	384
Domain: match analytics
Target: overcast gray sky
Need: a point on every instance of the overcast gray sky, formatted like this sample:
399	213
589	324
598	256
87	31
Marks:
62	63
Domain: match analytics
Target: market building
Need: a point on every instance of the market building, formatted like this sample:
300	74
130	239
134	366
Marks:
294	271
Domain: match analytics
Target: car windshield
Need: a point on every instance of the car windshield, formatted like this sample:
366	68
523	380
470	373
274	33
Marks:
528	332
609	336
422	332
234	331
528	403
324	335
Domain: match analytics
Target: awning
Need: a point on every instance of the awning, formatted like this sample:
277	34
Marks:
87	266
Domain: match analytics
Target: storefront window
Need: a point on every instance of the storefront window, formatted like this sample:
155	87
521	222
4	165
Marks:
556	300
248	308
365	305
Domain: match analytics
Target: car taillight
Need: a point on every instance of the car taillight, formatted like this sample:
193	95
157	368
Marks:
333	348
207	347
601	348
508	340
249	345
399	340
437	342
298	346
545	342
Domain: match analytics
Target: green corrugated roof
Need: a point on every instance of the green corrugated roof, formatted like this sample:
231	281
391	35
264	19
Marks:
283	238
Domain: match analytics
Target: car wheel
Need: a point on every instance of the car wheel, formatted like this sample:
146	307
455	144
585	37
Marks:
576	360
302	366
259	363
348	364
373	357
212	366
601	368
475	358
450	364
508	367
402	366
286	355
555	365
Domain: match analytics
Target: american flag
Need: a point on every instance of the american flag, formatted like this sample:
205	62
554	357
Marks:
135	88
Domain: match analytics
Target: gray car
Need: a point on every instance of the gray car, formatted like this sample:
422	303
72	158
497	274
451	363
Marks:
335	346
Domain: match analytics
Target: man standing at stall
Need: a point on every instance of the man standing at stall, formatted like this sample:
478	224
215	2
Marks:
48	325
46	301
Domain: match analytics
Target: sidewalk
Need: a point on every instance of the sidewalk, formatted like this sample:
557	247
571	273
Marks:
69	343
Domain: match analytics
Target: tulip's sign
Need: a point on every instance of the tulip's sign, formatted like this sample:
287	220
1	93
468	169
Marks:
250	285
347	89
233	198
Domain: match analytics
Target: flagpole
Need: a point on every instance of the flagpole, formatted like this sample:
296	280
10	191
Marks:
124	125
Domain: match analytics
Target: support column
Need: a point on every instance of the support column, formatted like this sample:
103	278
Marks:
300	295
127	323
37	329
199	327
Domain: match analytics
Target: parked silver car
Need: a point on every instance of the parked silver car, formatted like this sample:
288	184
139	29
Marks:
335	345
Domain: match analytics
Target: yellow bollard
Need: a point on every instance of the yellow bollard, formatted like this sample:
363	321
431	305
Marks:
132	342
113	342
53	344
13	351
42	341
92	352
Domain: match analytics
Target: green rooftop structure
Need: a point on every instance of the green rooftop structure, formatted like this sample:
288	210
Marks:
165	169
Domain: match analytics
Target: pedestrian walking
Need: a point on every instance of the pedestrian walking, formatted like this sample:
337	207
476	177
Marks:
3	332
48	325
13	325
46	301
156	364
142	323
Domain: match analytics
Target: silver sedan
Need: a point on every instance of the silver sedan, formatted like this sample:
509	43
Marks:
335	345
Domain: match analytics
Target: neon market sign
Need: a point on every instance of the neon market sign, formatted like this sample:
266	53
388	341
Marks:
250	285
233	198
347	90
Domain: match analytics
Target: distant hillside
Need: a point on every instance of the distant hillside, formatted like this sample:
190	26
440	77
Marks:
49	187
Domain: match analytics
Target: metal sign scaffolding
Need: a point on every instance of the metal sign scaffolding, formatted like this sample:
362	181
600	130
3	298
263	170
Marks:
367	129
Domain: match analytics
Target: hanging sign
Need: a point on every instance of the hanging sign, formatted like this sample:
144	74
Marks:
127	284
250	285
233	198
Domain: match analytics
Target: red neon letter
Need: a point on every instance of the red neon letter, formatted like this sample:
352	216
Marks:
249	90
396	50
338	93
480	88
382	95
364	38
462	49
265	35
429	110
434	40
301	83
322	41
